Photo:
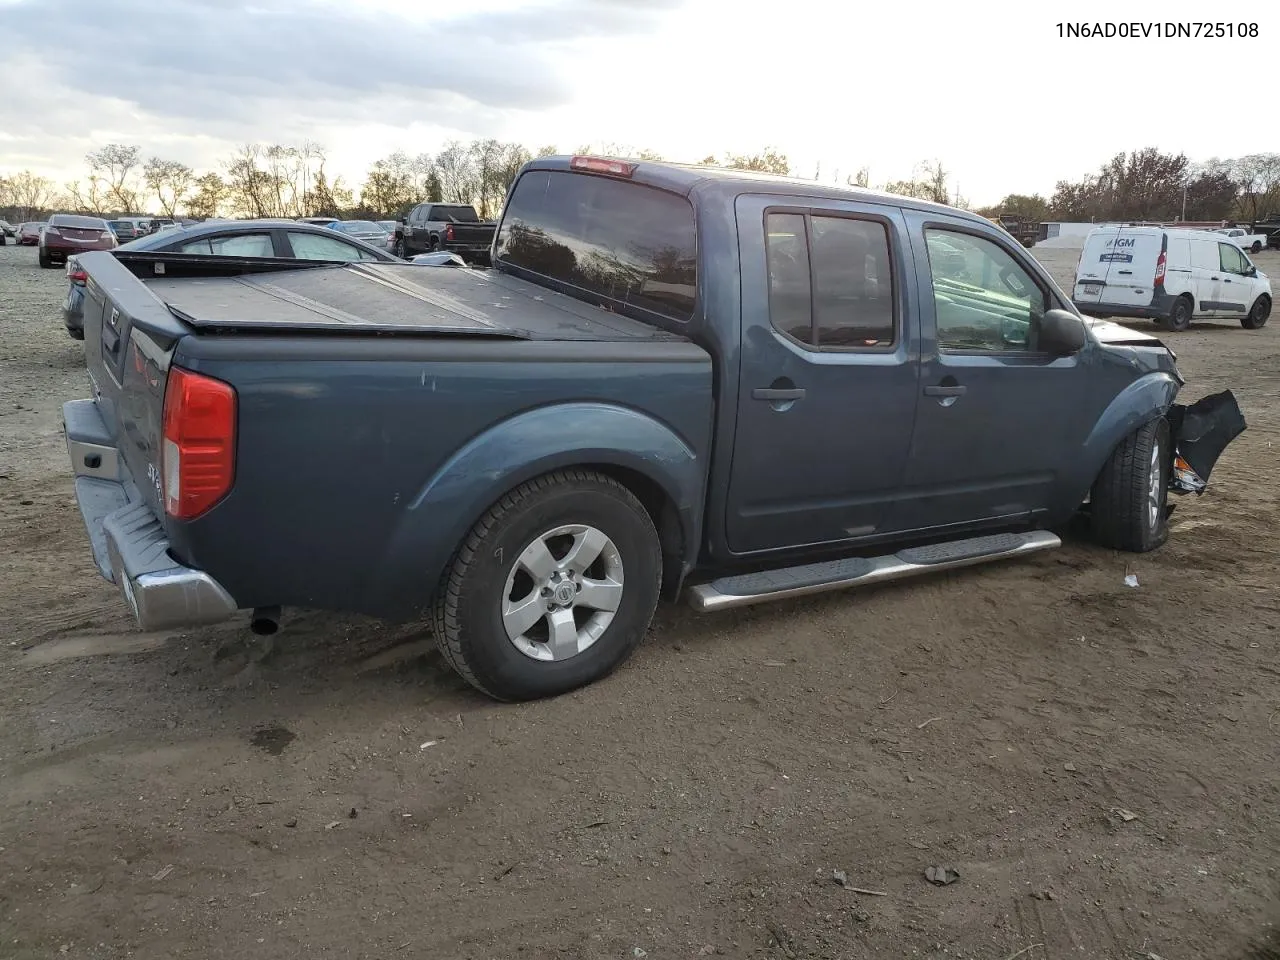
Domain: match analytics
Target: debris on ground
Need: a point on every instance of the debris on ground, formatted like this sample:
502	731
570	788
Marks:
429	743
1069	767
638	953
291	822
331	825
1041	894
840	877
164	872
353	814
1130	579
941	876
1123	814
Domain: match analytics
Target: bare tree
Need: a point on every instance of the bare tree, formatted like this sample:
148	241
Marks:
210	193
1257	177
170	181
89	196
118	166
459	182
28	194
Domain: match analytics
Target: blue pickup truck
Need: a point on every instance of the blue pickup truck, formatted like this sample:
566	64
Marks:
674	381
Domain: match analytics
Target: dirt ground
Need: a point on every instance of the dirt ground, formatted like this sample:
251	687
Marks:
1097	762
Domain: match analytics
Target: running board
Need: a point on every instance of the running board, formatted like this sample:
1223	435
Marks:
749	588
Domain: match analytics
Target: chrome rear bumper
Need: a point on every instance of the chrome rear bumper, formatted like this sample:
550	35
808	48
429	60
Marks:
129	544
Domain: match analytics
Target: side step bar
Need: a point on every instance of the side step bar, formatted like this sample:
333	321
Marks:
749	588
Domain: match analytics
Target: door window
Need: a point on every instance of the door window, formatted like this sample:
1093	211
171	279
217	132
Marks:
1232	259
830	280
984	299
314	246
241	245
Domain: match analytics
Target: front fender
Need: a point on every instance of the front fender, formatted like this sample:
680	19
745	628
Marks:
1141	401
516	450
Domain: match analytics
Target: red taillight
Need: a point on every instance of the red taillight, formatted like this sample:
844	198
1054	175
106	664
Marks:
74	273
199	453
616	168
448	232
1160	265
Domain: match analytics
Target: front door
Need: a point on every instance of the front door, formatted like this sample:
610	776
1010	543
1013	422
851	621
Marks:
1236	296
998	421
1206	270
828	375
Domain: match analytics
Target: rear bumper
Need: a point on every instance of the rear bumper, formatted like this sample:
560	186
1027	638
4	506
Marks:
1104	310
129	543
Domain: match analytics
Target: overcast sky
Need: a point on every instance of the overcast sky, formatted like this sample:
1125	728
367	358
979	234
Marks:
987	88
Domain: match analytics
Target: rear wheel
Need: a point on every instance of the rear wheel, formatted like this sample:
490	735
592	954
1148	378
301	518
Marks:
1179	317
1258	315
552	589
1127	503
1257	245
399	248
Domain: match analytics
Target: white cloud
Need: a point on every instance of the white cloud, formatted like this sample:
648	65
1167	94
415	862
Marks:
990	90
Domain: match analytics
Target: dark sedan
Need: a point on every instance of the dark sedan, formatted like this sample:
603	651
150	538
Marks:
286	239
29	233
66	234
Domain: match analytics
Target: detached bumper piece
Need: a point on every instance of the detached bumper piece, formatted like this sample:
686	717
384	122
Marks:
128	540
1201	432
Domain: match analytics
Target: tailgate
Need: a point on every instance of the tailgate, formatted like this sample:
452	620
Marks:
129	337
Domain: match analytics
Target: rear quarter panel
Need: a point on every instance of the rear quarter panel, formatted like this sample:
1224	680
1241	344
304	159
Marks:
361	463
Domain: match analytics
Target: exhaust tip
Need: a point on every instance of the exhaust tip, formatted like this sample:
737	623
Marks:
264	621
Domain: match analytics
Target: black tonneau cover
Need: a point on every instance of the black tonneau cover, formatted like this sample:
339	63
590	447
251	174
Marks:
392	298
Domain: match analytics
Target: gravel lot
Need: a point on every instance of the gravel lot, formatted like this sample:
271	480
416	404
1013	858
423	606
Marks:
1098	762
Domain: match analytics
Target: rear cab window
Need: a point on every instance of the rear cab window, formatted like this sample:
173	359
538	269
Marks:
619	244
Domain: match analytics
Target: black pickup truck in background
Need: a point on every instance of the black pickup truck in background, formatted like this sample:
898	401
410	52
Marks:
454	227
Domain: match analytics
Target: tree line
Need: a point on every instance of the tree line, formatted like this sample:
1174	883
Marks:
291	180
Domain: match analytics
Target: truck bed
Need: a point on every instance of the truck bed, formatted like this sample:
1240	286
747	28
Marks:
368	298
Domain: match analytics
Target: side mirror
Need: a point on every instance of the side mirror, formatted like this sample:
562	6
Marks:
1062	333
1252	271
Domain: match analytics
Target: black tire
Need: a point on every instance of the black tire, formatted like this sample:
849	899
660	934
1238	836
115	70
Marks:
1258	315
1122	514
1179	317
45	262
399	249
1257	245
467	610
434	245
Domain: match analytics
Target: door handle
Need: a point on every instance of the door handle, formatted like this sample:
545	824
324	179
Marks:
940	391
1227	280
1125	273
772	393
1213	278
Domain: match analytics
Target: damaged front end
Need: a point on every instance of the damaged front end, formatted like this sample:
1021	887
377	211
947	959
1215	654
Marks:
1200	432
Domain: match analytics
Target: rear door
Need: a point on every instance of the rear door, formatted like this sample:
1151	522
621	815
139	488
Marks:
828	377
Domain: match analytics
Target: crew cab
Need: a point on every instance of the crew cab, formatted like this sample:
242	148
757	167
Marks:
451	227
676	381
1253	242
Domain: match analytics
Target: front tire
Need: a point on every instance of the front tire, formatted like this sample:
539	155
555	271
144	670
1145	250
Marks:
1179	317
552	589
45	262
1258	315
1127	504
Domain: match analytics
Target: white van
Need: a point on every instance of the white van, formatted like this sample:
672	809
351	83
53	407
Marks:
1170	276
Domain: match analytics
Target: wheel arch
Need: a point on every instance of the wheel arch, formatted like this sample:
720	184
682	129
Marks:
1146	399
643	454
